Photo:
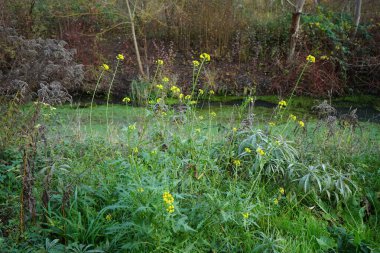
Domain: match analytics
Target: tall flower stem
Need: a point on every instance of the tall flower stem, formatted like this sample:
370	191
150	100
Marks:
93	96
298	81
195	80
109	92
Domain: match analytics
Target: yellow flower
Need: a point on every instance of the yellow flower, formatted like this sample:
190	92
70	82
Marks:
126	100
275	201
234	129
170	209
188	97
200	117
192	102
201	92
160	86
324	57
245	215
153	152
250	99
260	151
212	114
135	150
282	190
198	130
181	96
160	62
195	63
168	198
272	123
175	89
211	92
293	117
237	162
205	56
105	67
132	127
310	58
282	104
278	143
120	57
301	123
247	150
159	100
164	113
140	189
108	217
165	79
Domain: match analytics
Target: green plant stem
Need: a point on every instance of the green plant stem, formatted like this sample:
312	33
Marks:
197	76
93	96
109	92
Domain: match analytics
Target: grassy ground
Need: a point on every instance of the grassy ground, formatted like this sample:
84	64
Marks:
199	182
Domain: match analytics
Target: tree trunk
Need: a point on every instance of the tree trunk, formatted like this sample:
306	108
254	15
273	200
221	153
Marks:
132	19
294	30
358	9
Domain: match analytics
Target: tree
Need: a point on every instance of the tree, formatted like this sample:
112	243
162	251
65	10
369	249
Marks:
358	8
294	30
131	14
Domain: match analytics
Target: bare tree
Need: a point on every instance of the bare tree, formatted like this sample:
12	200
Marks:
294	30
358	8
131	14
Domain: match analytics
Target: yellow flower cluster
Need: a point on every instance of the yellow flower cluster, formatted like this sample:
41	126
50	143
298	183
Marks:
310	58
192	102
245	215
170	209
175	89
200	117
181	96
126	100
275	201
205	56
140	189
211	92
132	127
201	92
272	123
212	114
247	150
234	129
301	123
188	97
159	100
293	117
169	200
105	67
135	150
160	62
197	130
160	86
237	162
120	57
195	63
108	217
260	151
282	190
324	57
282	104
165	79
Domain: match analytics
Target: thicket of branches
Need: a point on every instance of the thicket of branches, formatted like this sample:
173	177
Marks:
248	40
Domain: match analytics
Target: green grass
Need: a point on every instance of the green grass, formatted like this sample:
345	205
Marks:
114	177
